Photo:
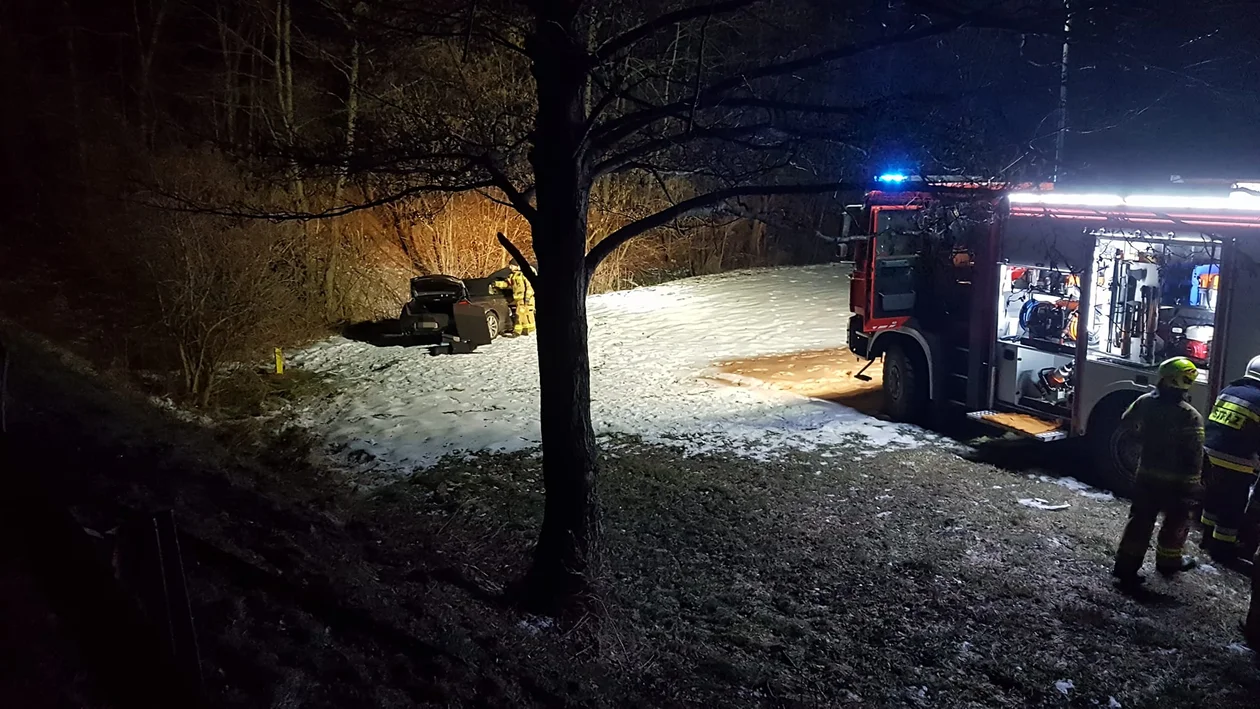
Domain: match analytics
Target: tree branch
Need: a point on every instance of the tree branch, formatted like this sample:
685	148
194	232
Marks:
520	259
611	242
712	94
180	203
612	47
517	198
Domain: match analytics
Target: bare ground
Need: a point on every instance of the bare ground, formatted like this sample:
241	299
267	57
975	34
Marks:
833	578
819	374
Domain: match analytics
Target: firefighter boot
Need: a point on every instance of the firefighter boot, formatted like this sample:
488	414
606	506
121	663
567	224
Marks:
1186	564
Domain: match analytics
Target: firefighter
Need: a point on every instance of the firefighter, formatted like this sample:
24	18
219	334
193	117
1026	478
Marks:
1168	477
1232	442
522	300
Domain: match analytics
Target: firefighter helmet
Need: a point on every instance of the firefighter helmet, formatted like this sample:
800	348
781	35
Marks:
1178	373
514	266
1253	369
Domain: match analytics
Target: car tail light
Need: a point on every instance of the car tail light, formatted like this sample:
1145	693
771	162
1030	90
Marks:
1196	349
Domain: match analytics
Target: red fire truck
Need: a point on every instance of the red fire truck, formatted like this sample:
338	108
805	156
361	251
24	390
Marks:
1046	311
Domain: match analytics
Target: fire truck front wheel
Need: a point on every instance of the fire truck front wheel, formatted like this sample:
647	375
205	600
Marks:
905	383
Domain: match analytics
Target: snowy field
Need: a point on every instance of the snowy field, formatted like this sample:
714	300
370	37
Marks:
652	350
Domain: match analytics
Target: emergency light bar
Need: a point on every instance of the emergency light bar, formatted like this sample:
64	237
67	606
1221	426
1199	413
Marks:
1236	201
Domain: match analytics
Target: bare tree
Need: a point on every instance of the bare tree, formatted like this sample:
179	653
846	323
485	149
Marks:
534	105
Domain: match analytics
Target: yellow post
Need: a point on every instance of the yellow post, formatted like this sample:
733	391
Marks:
279	361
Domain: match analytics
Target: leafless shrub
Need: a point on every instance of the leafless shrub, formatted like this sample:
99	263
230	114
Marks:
226	289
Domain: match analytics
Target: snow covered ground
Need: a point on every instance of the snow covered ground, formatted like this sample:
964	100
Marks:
651	349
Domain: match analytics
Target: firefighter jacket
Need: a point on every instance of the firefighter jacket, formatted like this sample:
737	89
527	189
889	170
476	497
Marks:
1232	437
1171	434
522	291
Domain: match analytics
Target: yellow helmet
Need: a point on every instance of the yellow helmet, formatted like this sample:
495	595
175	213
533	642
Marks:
1178	373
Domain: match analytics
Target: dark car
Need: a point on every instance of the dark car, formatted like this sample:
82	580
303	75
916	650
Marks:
446	305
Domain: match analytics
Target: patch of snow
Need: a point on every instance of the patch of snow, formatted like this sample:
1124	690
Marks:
1039	504
1064	686
1206	568
884	514
535	624
652	351
1239	649
1112	703
1079	488
179	412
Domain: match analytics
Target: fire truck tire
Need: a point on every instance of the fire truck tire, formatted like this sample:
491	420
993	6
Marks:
1114	452
905	384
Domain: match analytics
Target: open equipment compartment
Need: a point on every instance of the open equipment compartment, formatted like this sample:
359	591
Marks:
1154	297
1038	314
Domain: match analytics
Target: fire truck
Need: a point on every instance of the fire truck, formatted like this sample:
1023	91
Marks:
1046	311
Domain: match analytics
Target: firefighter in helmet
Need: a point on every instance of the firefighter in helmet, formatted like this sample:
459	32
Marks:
1168	477
522	294
1232	442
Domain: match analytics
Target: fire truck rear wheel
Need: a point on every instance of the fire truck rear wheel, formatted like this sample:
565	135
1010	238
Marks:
905	384
1114	451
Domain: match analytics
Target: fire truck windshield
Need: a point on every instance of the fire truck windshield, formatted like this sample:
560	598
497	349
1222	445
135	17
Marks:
896	220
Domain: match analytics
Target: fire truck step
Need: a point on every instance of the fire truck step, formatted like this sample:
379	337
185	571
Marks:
1044	430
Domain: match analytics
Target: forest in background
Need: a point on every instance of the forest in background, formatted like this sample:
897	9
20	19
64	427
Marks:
142	126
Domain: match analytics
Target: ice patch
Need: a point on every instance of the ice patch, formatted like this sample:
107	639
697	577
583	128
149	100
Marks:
1079	488
651	351
1039	504
1064	686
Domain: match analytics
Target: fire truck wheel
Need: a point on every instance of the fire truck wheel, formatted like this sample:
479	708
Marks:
1114	451
905	384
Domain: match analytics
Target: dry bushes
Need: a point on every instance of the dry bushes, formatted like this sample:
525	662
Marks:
455	235
183	294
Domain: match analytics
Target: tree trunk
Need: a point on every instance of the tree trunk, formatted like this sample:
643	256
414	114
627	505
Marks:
76	101
568	550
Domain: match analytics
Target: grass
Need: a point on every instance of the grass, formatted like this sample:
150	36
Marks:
898	580
249	392
833	578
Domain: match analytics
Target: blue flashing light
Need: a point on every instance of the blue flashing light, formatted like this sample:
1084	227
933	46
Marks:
895	178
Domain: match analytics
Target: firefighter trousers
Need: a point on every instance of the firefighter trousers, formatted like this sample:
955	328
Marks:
1175	500
1225	504
524	318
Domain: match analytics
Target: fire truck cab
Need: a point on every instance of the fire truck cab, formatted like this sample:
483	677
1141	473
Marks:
1046	312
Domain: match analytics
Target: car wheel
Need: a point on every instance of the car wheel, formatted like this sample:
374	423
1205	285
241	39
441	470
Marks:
492	323
905	384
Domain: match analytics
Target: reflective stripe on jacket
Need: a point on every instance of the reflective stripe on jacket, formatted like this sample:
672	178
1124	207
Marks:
1232	435
521	289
